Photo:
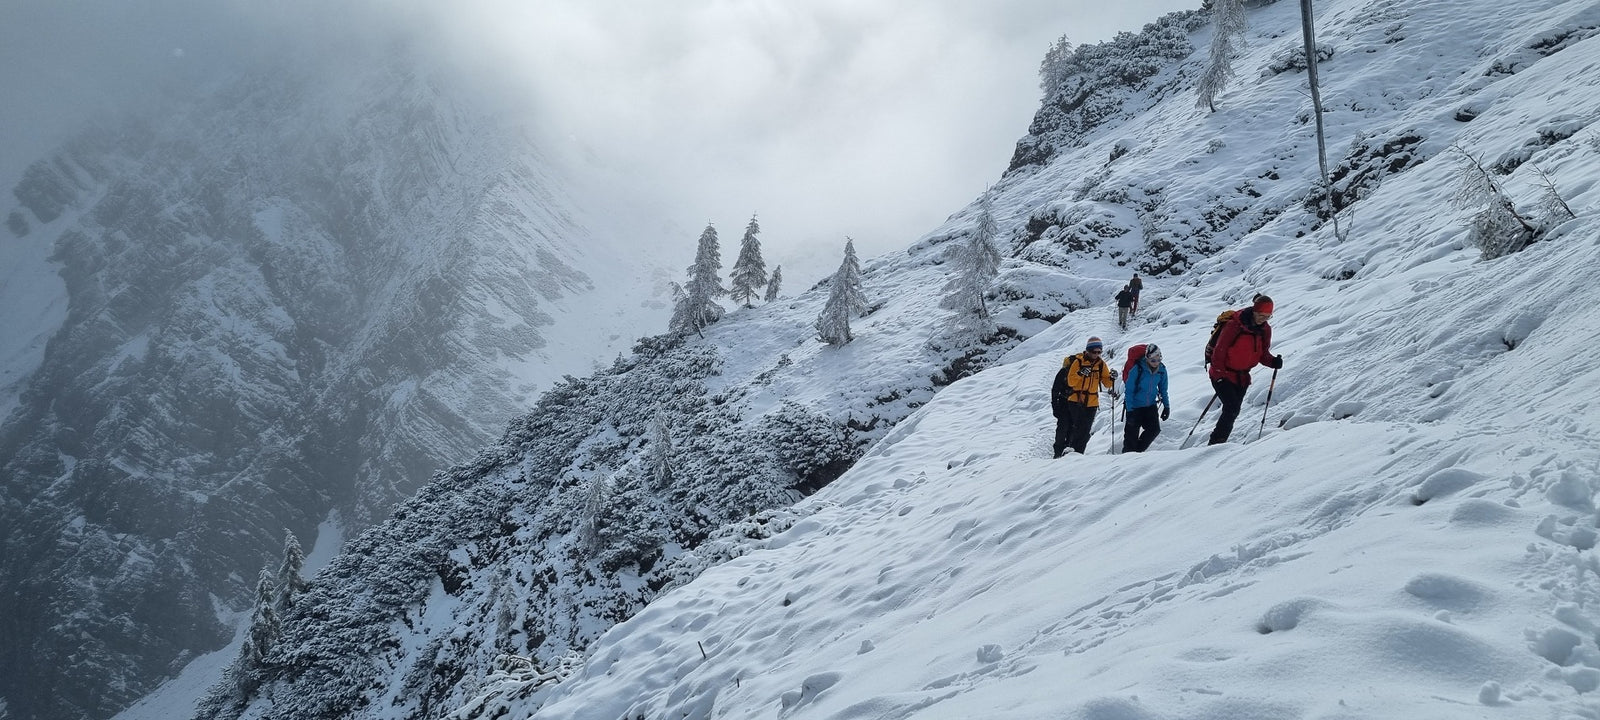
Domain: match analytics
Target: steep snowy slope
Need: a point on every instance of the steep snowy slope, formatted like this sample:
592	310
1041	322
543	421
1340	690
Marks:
298	293
1402	544
1411	537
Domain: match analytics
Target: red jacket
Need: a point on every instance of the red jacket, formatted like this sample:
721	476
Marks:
1241	345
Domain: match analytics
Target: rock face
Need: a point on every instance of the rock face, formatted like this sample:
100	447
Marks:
285	300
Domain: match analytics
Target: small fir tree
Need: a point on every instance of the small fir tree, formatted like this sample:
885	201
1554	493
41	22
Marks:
261	639
845	298
696	305
1553	209
975	262
852	273
594	504
290	583
1056	67
505	606
749	271
1229	23
660	455
773	283
1495	228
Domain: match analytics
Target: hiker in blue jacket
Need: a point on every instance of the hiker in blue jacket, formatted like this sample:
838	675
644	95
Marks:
1146	383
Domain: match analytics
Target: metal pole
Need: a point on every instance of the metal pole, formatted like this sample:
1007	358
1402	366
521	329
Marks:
1113	425
1185	442
1308	30
1274	384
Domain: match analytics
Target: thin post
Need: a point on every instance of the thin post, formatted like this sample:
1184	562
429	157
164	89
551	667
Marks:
1308	30
1185	442
1270	387
1114	400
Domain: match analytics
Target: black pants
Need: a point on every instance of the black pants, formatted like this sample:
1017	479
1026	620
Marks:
1144	424
1232	397
1072	428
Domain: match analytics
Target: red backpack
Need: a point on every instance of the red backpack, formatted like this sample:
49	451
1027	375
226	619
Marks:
1135	354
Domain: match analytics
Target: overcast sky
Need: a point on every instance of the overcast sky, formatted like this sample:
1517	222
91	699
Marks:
869	118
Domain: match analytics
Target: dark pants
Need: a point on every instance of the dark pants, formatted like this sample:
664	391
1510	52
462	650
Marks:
1072	428
1144	424
1232	397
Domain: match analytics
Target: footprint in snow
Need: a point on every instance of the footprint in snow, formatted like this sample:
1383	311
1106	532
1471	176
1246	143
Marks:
1449	592
810	688
1447	481
1287	615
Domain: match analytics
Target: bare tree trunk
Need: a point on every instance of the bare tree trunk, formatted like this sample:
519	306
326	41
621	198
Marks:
1308	30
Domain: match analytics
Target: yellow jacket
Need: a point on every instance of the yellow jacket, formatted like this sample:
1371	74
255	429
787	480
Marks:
1079	381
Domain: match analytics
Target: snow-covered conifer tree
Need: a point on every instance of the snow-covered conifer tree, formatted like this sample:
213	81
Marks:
851	268
290	583
632	522
845	298
265	629
1055	67
774	282
1553	209
749	271
660	455
696	306
1228	23
1495	228
593	505
975	263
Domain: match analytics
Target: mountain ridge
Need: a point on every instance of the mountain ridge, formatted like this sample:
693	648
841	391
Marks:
286	301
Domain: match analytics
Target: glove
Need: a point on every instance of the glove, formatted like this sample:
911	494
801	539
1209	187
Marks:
1165	412
1113	372
1277	362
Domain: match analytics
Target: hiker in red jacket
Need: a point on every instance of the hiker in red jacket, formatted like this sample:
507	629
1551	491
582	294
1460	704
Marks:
1244	342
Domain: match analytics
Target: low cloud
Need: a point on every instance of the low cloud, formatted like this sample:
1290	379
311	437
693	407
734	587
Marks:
827	117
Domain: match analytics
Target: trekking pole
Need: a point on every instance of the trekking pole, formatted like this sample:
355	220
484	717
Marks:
1270	386
1185	442
1114	400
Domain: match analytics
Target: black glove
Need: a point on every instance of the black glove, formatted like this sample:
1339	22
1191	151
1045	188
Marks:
1113	372
1277	362
1165	412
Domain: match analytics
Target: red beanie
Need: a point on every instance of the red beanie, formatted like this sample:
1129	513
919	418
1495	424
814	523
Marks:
1263	305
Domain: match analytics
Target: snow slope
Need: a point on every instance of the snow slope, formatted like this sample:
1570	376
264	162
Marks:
1410	537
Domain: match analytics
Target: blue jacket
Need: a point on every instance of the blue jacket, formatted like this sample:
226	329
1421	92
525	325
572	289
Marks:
1144	385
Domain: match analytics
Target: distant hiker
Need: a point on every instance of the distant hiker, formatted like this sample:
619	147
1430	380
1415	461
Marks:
1124	306
1137	286
1244	342
1145	378
1075	396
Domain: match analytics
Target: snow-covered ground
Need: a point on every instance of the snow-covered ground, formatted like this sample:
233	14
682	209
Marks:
1426	556
1406	532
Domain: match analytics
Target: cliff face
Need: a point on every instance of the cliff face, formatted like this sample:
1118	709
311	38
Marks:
283	300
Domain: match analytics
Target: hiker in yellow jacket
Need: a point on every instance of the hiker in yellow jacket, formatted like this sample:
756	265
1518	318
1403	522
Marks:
1075	396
